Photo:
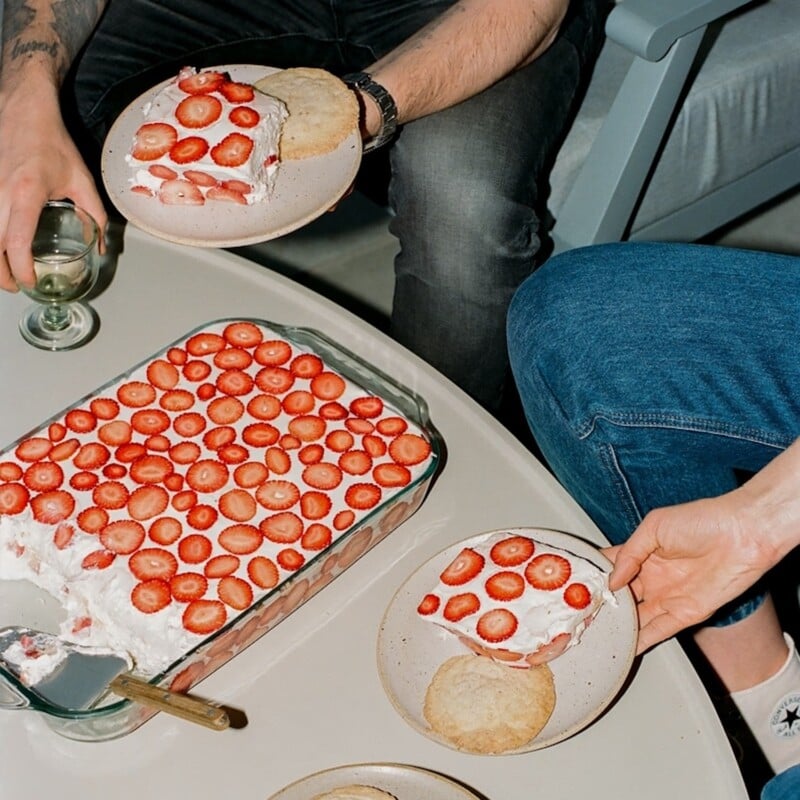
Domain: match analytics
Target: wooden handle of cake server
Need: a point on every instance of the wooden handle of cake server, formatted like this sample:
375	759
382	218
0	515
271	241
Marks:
179	705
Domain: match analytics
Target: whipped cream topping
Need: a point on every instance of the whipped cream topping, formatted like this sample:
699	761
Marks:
260	169
542	615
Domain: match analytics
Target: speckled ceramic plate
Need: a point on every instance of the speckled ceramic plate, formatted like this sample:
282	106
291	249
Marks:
404	782
587	677
304	189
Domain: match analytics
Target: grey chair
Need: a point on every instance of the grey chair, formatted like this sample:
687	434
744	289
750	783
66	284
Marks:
691	119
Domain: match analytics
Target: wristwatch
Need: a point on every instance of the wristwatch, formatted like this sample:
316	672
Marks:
386	104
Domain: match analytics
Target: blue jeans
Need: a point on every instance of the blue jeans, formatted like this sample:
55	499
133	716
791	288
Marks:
785	786
656	374
466	183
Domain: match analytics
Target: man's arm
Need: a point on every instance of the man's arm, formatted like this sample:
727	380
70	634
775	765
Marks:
38	160
469	47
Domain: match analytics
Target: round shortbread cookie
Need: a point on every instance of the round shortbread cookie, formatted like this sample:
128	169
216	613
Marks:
485	707
355	792
323	111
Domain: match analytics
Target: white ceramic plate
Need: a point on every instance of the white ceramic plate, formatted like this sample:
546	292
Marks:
404	782
303	191
587	677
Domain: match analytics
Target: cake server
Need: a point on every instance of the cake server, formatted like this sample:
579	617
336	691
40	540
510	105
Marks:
75	677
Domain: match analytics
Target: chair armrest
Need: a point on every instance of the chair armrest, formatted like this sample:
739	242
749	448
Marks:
649	28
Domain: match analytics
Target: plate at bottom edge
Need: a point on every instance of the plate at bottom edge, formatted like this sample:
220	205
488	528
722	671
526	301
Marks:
587	677
404	782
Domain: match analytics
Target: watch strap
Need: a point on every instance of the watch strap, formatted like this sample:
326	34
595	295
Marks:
364	82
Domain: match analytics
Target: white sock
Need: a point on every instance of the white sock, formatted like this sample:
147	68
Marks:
772	711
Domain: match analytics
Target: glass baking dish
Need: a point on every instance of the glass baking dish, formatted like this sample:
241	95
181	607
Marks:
113	717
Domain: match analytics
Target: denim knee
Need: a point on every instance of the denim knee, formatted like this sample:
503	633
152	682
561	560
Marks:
785	786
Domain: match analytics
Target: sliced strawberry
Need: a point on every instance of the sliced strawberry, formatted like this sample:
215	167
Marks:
200	178
289	442
244	117
577	595
64	450
513	551
332	410
205	391
306	365
162	374
277	495
220	566
240	539
278	460
391	426
260	434
505	585
311	454
176	400
274	380
79	420
174	482
243	334
390	475
233	454
233	358
184	452
215	438
264	407
151	563
262	572
273	353
235	185
110	495
149	421
147	502
226	195
91	456
497	625
339	441
10	471
180	193
308	427
409	449
13	498
283	528
186	151
235	592
234	382
322	476
128	453
204	344
203	82
428	605
463	568
362	495
233	150
194	548
139	188
104	408
237	505
63	536
198	111
328	386
98	559
123	536
460	606
548	571
151	596
162	172
343	520
362	426
356	462
204	616
367	407
184	500
150	469
115	433
83	481
153	140
56	431
189	424
225	410
188	586
316	537
196	370
34	448
159	444
43	476
201	516
136	394
298	402
52	507
237	92
290	559
315	505
250	475
165	530
92	519
373	444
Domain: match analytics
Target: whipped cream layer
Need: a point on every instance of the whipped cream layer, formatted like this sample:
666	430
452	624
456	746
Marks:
258	172
541	614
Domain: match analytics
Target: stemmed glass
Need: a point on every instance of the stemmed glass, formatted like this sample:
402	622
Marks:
65	261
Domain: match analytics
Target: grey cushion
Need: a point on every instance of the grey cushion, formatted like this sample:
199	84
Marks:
743	110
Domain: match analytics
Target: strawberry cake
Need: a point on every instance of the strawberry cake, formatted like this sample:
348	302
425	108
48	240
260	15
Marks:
172	501
516	599
207	137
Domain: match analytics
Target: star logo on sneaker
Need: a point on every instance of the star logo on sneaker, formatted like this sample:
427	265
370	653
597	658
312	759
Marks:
785	719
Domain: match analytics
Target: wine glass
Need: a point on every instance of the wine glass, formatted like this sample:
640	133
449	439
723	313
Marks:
65	261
